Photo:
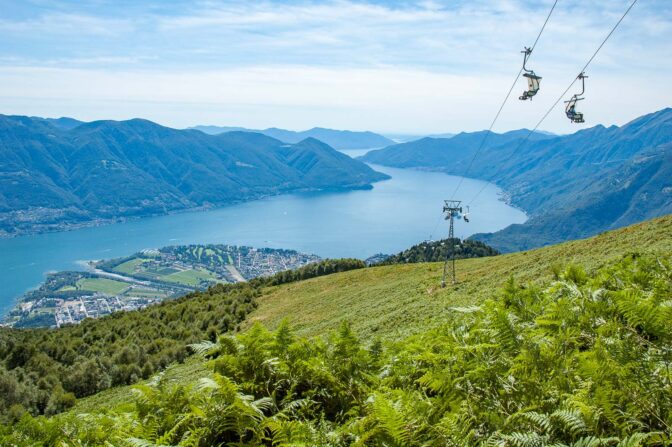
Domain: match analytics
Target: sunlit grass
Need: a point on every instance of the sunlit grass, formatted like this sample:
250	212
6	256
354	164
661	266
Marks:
102	285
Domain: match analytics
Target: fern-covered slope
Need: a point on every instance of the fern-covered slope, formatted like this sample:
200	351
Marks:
580	361
389	302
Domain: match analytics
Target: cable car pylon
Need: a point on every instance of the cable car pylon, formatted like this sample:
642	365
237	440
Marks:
453	210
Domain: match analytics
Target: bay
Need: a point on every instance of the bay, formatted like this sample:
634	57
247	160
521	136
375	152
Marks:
394	215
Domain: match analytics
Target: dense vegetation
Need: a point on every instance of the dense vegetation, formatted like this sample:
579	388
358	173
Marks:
437	251
573	186
582	361
44	370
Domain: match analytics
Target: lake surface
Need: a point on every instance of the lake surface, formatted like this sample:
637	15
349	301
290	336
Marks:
394	215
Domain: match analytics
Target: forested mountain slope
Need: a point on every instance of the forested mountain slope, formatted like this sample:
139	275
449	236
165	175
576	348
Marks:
54	175
562	181
453	152
632	192
563	355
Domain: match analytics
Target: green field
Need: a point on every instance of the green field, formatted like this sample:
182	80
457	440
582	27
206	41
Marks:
165	271
102	285
128	267
391	302
142	292
190	277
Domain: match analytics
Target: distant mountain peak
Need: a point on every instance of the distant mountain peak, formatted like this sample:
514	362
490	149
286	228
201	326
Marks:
312	141
338	139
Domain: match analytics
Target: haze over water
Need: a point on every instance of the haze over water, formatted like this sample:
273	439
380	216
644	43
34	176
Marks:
394	215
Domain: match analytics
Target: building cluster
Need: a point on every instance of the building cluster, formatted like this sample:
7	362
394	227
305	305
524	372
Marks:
253	262
74	310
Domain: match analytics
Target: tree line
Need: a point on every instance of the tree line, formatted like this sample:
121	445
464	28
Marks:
44	371
438	251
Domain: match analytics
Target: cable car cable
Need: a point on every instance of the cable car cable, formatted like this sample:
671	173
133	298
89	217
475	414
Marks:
499	112
548	112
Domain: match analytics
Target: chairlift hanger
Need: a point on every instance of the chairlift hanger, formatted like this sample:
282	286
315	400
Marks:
532	78
570	108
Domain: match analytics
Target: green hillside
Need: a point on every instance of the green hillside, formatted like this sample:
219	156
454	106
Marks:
396	300
389	302
341	389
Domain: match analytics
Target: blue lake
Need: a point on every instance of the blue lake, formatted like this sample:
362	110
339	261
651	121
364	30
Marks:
394	215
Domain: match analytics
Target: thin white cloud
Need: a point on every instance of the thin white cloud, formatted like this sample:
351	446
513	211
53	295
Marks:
424	66
275	14
55	24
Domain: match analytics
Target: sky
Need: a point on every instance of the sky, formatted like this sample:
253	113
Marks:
415	67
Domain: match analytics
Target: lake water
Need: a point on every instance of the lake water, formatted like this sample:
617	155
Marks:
394	215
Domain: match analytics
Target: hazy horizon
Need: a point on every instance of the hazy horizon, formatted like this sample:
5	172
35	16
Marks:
417	68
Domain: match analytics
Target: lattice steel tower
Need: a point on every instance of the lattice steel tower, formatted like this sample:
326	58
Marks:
453	210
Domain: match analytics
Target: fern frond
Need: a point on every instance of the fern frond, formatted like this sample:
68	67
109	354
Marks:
518	439
467	309
136	442
203	348
541	421
639	439
592	441
569	421
206	383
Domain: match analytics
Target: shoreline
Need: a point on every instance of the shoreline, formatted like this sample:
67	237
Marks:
504	195
99	222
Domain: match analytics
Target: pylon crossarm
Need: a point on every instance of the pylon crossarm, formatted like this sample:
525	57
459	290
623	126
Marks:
453	209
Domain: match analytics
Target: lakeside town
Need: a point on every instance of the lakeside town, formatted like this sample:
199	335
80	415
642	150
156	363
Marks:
144	278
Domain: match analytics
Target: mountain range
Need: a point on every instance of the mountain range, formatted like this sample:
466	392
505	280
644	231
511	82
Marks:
59	173
338	139
572	186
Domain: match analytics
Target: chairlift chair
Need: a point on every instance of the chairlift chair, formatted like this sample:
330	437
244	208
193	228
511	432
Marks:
570	108
532	78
